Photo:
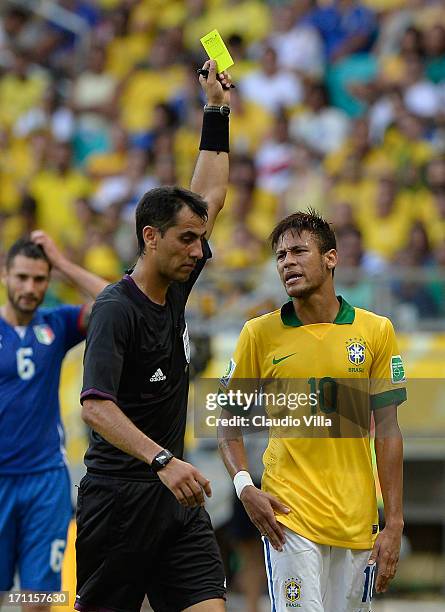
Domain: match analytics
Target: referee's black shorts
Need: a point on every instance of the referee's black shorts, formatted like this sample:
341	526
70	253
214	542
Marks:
135	539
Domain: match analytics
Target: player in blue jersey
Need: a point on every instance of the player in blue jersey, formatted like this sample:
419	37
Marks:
35	503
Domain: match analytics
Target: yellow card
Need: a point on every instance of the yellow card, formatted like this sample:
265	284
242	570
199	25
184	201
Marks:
217	50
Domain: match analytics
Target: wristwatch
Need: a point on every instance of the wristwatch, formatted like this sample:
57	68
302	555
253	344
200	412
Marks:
223	109
161	460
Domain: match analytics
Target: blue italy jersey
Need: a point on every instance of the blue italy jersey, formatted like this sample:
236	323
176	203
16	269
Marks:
31	433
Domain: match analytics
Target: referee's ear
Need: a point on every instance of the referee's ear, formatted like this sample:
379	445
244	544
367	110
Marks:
150	235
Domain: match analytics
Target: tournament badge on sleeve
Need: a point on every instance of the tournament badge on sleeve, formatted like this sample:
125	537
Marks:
397	370
225	379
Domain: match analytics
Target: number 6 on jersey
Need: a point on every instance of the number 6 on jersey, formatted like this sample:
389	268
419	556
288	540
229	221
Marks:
25	365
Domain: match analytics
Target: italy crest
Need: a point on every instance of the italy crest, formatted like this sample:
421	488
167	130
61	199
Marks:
44	334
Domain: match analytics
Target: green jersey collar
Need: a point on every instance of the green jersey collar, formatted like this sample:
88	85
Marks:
345	315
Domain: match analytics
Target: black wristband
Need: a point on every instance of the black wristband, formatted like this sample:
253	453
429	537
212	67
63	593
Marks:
215	133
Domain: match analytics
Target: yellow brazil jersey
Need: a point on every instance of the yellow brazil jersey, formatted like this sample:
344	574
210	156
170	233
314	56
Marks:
56	196
326	480
143	90
386	235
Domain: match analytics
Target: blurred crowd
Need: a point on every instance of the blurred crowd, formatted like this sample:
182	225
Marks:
339	105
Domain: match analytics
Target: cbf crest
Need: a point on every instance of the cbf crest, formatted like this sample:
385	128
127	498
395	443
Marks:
356	349
292	592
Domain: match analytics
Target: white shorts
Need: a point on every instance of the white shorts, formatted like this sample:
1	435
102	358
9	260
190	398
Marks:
315	578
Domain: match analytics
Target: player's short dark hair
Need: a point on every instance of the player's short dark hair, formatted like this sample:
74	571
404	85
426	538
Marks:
310	221
160	206
27	248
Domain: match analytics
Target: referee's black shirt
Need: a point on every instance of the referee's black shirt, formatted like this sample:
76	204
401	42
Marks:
137	355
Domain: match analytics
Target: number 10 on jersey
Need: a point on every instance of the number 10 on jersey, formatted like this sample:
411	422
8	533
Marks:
327	392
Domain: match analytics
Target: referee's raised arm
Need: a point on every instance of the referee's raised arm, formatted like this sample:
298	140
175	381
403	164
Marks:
211	175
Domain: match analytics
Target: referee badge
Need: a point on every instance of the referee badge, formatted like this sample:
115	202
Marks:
292	592
186	341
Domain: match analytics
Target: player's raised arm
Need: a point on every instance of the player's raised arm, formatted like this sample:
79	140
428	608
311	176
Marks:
89	283
211	175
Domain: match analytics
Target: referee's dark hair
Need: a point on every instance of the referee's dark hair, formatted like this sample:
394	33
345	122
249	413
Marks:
27	248
310	221
159	208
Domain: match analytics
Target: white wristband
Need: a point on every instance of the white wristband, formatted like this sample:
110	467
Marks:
242	479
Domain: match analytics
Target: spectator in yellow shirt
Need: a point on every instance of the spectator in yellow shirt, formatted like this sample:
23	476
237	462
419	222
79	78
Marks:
386	221
55	190
21	88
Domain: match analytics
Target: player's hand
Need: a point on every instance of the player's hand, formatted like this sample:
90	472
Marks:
217	90
186	483
48	245
386	554
261	508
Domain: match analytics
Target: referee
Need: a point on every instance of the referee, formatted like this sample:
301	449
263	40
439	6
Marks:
141	526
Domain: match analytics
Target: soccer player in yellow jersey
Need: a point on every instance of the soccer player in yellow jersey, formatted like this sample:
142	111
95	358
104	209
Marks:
316	509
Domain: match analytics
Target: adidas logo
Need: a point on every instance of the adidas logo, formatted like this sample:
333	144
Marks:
158	376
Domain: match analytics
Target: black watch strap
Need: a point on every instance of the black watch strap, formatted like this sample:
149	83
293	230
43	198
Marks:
161	460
